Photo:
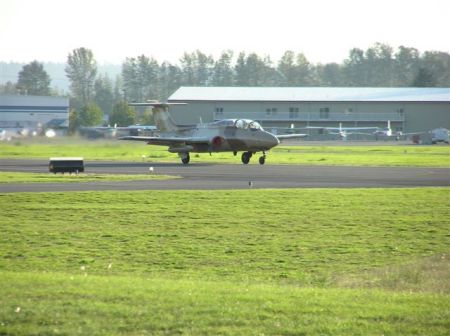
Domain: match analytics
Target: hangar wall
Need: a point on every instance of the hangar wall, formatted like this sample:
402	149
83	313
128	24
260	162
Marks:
408	109
33	111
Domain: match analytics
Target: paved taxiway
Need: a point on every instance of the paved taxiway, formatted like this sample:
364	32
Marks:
230	176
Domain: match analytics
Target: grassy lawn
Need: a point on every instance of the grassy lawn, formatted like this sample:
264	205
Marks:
226	262
385	155
19	177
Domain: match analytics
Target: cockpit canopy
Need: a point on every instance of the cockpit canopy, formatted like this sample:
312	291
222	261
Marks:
248	124
238	123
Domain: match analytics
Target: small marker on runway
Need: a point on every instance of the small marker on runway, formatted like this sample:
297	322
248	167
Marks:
150	170
250	184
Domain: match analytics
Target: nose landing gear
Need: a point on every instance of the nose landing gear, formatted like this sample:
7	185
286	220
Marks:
185	158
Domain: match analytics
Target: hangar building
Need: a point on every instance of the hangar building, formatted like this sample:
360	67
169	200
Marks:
33	112
408	109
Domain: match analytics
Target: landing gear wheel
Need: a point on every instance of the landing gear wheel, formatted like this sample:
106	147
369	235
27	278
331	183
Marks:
246	157
185	158
262	160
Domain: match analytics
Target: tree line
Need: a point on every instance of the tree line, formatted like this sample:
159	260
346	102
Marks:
143	77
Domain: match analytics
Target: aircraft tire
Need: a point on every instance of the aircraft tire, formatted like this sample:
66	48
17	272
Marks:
186	159
246	157
262	160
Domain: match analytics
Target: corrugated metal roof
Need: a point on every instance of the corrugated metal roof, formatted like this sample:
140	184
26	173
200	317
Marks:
291	94
34	101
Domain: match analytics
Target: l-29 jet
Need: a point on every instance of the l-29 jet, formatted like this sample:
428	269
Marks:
227	135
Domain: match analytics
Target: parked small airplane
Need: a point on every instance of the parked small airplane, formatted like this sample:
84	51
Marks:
228	135
387	131
343	132
433	136
115	131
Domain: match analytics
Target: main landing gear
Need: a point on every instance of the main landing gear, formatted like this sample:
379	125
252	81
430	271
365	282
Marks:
246	156
185	158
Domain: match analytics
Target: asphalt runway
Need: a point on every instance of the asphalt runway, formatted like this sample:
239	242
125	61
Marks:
231	176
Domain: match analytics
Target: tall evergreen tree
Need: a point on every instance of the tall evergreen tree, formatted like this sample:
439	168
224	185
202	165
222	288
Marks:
241	71
34	80
104	96
81	70
223	71
287	69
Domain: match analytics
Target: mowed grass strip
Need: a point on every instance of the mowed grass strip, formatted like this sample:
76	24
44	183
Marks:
224	262
418	156
301	237
33	303
19	177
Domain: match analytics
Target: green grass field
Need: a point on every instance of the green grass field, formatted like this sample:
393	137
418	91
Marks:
244	262
383	155
20	177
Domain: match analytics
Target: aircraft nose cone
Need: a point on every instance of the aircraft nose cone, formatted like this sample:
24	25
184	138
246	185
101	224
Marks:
273	140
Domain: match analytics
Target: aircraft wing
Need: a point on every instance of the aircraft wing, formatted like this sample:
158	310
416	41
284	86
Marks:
343	128
168	141
291	136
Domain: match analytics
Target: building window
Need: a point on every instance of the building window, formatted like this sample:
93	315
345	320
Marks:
324	113
271	111
219	110
293	112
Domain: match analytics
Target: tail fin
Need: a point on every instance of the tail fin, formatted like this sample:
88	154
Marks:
163	120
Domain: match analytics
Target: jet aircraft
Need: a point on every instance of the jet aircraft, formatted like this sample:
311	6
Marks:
227	135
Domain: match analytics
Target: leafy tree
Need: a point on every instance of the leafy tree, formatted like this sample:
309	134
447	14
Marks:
354	68
329	74
122	114
34	80
438	65
140	78
118	89
406	65
303	70
147	117
196	68
104	96
73	121
424	78
81	70
9	88
169	80
90	115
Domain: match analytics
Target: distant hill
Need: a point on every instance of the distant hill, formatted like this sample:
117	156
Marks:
9	71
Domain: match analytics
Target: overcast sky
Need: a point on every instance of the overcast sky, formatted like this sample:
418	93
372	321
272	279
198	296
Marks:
324	30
